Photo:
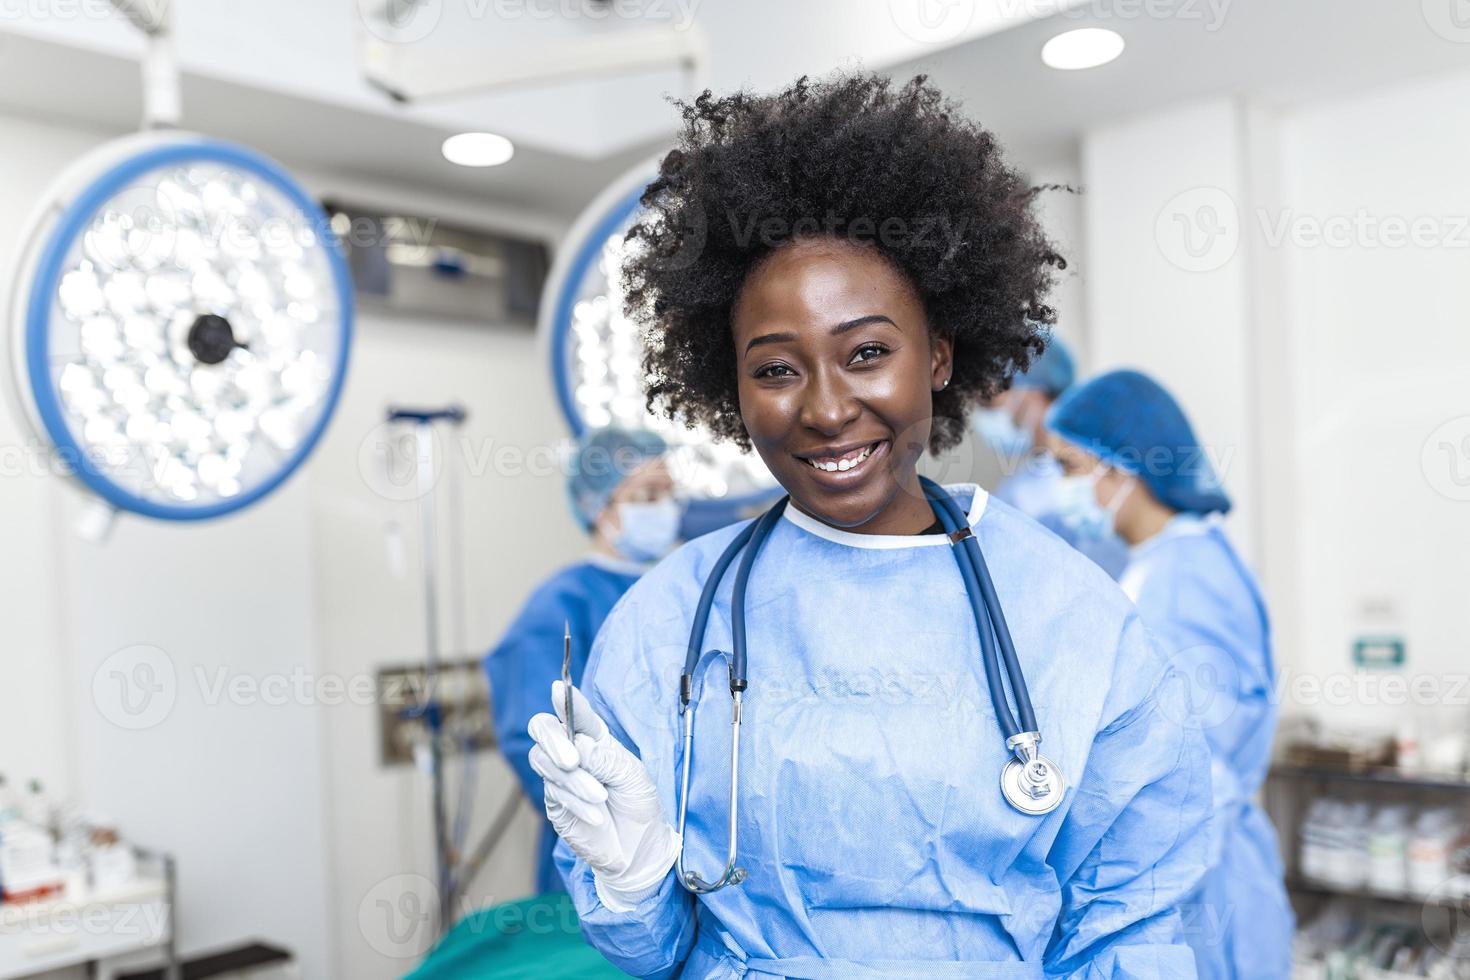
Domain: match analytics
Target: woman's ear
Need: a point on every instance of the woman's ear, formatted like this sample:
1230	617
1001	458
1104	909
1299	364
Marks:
941	361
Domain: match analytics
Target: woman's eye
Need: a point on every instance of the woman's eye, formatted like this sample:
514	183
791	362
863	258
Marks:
774	371
868	352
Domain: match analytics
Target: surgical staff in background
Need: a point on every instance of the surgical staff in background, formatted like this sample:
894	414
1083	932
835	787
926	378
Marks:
1136	471
621	492
1012	424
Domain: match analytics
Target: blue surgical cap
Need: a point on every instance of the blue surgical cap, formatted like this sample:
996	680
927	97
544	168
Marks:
603	459
1053	372
1130	422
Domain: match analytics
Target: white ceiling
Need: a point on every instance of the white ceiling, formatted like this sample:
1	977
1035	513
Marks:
283	75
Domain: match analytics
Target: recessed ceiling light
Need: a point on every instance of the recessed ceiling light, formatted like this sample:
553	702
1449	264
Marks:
478	149
1086	47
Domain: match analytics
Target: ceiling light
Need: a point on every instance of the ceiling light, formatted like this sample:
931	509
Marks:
478	149
1086	47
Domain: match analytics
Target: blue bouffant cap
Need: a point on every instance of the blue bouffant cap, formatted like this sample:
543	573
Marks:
603	459
1130	422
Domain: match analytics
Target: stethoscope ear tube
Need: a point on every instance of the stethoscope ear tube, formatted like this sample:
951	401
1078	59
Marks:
952	522
737	598
754	535
1003	636
701	612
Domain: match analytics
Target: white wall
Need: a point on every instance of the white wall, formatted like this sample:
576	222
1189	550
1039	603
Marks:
36	731
1380	369
206	780
1164	293
284	825
515	531
1258	262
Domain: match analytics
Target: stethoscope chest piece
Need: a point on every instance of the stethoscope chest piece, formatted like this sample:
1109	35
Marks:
1031	782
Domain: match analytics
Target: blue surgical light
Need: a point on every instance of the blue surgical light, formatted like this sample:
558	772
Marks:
181	321
596	362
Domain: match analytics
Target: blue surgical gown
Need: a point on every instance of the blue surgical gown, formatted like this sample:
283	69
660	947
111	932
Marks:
871	820
526	661
1032	489
1204	606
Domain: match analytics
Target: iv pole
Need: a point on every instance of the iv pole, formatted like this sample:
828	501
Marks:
423	421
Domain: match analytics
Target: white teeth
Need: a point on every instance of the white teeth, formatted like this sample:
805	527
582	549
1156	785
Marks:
842	465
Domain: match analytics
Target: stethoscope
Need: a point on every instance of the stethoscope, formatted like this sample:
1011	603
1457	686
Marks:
1030	782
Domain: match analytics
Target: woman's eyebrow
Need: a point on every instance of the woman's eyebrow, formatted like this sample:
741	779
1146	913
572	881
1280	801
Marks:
770	338
861	321
837	330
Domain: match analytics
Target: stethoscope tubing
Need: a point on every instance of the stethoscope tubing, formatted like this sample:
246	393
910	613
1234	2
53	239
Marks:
989	617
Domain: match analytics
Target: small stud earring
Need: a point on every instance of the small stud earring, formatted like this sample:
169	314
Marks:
945	383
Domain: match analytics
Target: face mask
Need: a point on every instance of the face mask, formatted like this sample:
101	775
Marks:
997	428
1079	510
647	531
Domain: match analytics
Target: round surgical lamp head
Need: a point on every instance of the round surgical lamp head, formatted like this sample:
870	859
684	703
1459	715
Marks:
597	362
180	322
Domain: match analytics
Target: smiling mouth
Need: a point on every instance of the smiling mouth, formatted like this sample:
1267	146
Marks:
845	462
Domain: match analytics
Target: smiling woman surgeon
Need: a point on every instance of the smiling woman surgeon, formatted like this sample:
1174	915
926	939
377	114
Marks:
834	275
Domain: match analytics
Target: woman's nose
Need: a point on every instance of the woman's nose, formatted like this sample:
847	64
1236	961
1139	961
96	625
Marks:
828	404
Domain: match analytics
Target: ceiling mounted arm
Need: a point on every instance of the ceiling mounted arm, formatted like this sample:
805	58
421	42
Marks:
417	73
161	99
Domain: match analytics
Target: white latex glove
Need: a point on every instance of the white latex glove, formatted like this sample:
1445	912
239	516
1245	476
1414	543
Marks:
601	801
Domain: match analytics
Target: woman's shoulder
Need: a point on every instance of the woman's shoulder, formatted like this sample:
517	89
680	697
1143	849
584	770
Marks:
1032	554
1203	563
669	590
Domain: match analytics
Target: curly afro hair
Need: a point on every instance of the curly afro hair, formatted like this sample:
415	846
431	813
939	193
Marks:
852	156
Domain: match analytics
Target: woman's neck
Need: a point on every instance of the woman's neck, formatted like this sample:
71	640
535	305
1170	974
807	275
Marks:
1141	518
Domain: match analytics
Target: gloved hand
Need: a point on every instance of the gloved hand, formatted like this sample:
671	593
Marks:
601	801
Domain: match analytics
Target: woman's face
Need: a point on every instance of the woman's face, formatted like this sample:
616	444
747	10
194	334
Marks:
837	371
1112	484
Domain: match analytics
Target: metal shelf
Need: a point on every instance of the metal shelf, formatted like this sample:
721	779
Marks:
1380	776
1311	886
